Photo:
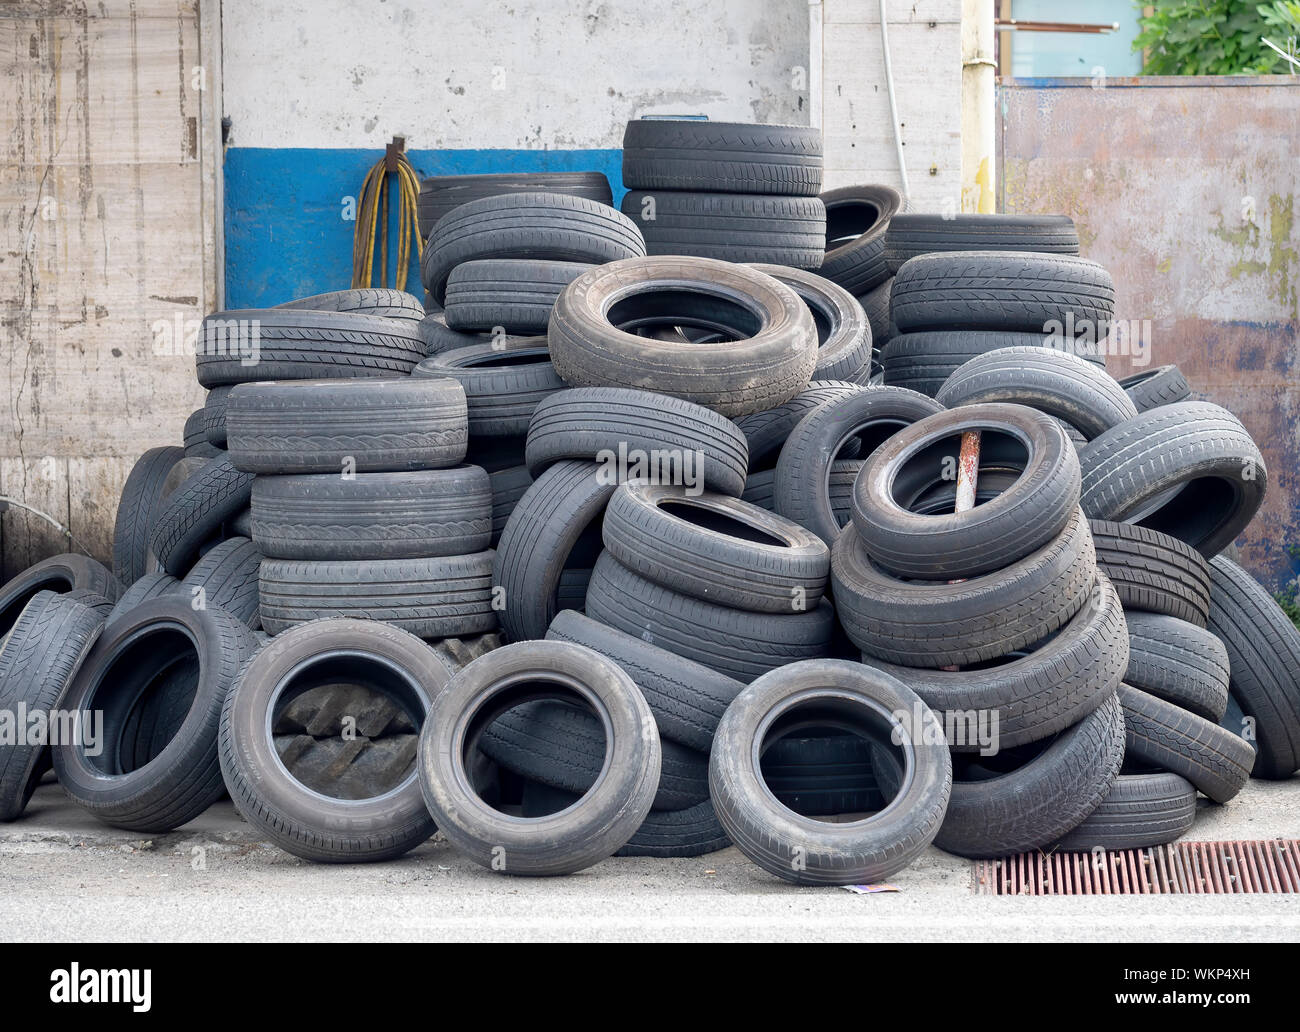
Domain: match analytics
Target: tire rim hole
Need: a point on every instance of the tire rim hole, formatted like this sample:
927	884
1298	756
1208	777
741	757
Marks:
847	221
665	306
14	608
937	463
527	356
718	522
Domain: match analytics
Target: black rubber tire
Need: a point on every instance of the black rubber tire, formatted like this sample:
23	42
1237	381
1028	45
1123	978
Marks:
226	577
438	337
59	573
868	416
732	642
924	361
876	304
539	540
1171	738
312	824
137	509
151	585
770	363
944	546
514	295
766	431
535	225
730	227
126	676
1139	811
444	597
214	415
1056	382
243	346
1192	460
605	423
195	512
1041	799
40	656
1036	693
857	218
1264	657
915	233
993	290
563	745
686	698
442	194
844	349
431	512
503	382
391	304
1153	572
577	837
936	623
195	436
1178	662
805	850
735	157
333	426
1152	388
716	548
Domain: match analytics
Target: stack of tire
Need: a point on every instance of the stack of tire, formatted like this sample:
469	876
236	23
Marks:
732	191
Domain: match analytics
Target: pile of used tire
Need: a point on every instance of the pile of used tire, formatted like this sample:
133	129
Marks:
612	552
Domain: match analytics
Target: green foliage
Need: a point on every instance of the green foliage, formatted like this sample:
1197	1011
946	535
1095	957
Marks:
1286	599
1215	37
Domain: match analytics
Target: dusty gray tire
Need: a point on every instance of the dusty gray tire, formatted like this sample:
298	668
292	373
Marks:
195	436
737	157
1056	382
246	345
1189	469
716	548
1171	738
604	424
804	850
732	642
574	838
844	348
330	426
503	382
438	337
766	431
125	677
1047	794
151	585
1036	694
856	220
937	623
869	417
194	513
1139	811
1153	572
1152	388
508	486
59	573
770	360
214	415
226	577
915	233
43	651
563	505
943	546
444	597
924	361
137	509
308	822
994	290
1264	658
440	195
876	304
391	304
511	294
431	512
730	227
686	698
535	225
1178	662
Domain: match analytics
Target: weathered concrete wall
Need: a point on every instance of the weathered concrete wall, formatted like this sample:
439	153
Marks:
106	215
1185	189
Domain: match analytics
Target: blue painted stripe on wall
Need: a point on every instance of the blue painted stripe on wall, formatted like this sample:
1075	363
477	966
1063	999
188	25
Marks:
285	234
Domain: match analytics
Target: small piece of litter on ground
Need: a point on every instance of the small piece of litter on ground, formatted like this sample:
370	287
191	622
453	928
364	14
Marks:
865	890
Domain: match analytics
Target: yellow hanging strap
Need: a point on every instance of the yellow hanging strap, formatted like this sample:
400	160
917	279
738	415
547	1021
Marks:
372	217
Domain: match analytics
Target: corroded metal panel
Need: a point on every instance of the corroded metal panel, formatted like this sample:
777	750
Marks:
1185	189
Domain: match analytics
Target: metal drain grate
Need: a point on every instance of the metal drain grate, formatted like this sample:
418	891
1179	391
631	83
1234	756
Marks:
1199	868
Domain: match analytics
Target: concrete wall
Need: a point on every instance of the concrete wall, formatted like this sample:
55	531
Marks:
107	215
1185	189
